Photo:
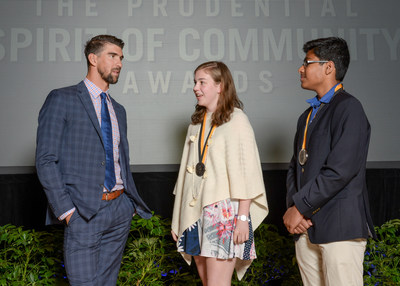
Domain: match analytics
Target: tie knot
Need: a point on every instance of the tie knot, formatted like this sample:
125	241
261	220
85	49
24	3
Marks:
103	95
314	102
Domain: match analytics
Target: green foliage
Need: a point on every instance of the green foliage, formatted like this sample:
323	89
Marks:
275	263
28	257
150	256
382	257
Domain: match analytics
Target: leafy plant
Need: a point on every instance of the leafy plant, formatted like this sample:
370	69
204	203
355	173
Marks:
150	256
275	263
382	257
28	257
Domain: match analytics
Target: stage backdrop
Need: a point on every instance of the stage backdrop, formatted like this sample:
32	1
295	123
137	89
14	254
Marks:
41	48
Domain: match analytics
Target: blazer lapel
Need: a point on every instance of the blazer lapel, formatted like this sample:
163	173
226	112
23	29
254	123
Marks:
311	127
87	103
123	156
118	112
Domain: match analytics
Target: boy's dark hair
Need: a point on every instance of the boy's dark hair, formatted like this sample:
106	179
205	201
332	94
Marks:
331	49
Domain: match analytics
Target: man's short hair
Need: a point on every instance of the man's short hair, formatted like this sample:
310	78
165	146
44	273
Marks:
331	49
96	44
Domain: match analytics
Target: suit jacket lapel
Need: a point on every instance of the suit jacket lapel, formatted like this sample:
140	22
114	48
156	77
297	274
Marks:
87	103
311	127
320	113
118	112
123	159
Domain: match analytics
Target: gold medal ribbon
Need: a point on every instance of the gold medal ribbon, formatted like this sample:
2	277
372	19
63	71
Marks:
203	148
305	131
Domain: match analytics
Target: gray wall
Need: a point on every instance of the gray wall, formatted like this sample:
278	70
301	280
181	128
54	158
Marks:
41	48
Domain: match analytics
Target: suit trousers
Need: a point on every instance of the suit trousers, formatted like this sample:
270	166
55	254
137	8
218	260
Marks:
93	249
331	264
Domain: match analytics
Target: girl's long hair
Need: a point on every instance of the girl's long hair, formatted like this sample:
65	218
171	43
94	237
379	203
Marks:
228	98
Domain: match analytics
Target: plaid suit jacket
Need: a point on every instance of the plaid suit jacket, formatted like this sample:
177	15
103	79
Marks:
70	156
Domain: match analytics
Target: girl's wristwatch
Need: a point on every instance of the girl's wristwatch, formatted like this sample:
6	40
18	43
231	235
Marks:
243	218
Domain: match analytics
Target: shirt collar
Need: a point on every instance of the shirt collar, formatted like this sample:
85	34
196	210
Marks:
93	89
315	102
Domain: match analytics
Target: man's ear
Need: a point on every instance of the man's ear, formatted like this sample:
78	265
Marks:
92	59
330	68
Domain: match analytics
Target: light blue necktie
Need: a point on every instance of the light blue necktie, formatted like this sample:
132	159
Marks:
106	131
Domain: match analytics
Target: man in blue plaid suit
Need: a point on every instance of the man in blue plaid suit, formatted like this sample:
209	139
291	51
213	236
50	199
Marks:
71	165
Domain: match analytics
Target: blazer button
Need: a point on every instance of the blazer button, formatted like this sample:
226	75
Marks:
103	163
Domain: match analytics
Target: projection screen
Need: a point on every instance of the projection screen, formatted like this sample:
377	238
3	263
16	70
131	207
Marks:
41	48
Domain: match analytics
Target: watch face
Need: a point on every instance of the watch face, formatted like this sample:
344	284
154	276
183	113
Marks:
242	217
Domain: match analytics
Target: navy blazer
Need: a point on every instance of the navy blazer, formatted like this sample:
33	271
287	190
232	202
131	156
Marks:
330	188
70	156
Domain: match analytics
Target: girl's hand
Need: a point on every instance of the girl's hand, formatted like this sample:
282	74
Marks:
241	232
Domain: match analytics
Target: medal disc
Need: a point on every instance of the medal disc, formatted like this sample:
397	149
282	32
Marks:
303	155
200	169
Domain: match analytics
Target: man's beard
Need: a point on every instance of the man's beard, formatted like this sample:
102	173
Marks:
108	77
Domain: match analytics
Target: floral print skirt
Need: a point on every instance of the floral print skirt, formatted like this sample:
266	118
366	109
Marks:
212	234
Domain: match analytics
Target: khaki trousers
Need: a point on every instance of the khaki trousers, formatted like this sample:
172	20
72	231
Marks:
331	264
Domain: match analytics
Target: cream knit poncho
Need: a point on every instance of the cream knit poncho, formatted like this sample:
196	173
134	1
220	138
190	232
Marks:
233	170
